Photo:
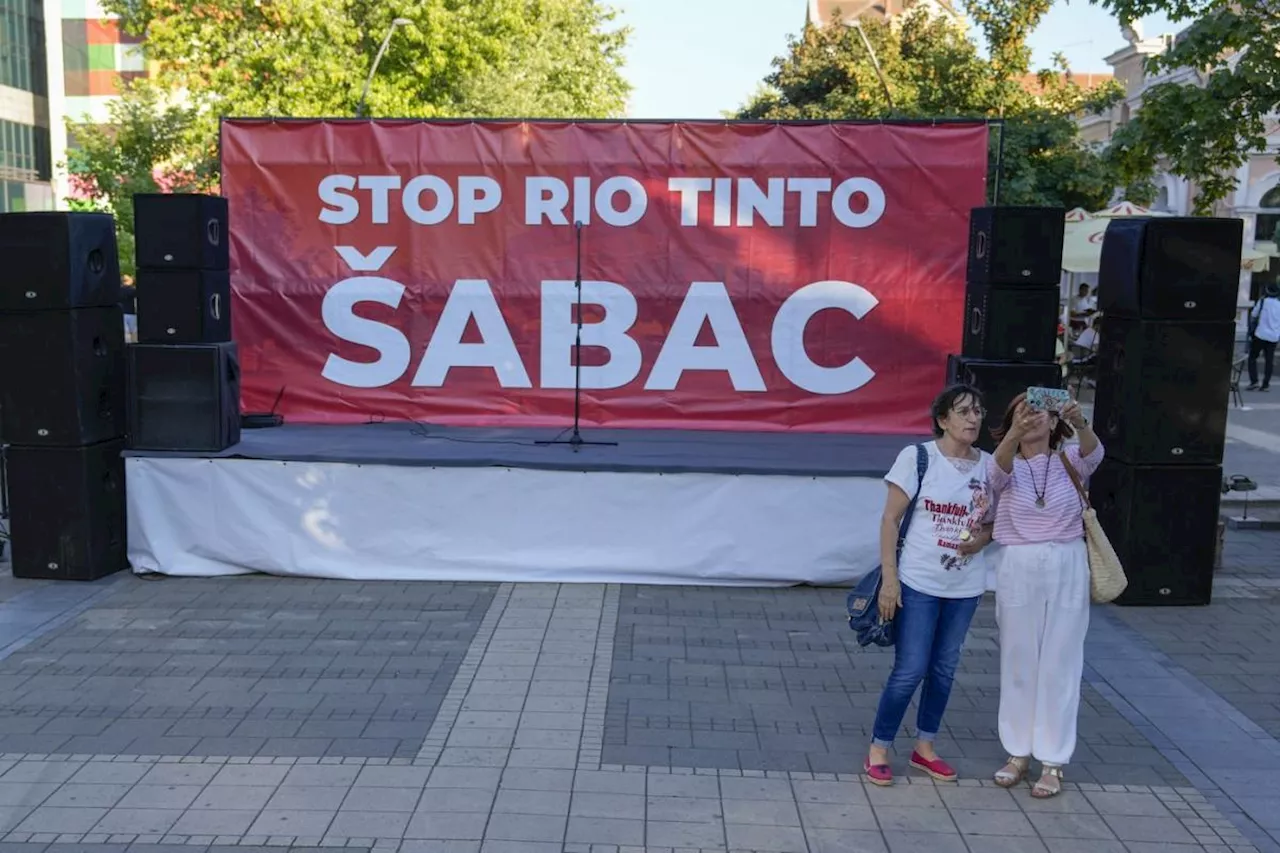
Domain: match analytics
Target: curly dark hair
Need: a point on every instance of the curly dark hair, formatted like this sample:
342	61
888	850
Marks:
1060	433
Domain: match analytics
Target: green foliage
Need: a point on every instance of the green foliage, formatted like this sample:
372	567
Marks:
931	69
1006	25
1206	123
144	147
456	58
310	58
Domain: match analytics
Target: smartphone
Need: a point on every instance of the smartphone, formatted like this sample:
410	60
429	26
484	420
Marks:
1047	399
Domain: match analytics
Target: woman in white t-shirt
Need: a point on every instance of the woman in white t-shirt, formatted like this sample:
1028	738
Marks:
932	588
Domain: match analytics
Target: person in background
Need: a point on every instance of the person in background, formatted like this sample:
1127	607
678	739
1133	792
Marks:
1086	343
1083	306
1264	324
129	304
933	588
1042	586
1060	353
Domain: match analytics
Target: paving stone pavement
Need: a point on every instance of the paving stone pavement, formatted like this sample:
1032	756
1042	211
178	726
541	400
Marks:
240	667
576	719
774	680
1232	646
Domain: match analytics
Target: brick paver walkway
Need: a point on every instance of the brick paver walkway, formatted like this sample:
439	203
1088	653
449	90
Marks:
259	712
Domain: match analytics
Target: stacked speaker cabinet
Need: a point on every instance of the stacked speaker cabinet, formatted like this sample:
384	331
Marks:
1011	306
62	394
184	372
1167	292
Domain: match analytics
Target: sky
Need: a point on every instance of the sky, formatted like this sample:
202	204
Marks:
698	58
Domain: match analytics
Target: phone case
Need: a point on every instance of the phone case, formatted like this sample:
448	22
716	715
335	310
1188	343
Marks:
1047	399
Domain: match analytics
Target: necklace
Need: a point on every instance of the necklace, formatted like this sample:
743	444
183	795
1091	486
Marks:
1040	492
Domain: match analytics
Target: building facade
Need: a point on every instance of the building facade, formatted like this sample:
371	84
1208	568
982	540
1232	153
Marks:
26	161
59	59
1256	200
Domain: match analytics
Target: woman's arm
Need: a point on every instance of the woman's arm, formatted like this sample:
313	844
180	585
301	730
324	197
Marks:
1023	418
1088	438
1003	458
895	507
978	539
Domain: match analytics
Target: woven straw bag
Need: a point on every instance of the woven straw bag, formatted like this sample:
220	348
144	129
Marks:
1106	576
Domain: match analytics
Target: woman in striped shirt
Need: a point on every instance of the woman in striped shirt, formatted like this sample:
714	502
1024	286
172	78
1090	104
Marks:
1042	586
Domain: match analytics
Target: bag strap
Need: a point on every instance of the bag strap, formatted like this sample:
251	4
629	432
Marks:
1075	478
922	465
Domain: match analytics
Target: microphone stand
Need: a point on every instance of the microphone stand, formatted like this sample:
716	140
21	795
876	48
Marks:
575	440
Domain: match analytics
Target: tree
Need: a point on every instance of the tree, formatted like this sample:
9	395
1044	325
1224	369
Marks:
931	69
145	147
1206	124
310	58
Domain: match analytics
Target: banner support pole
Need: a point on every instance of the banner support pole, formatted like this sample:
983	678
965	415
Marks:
995	194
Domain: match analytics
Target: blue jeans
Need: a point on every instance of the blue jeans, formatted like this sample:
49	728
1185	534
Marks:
930	634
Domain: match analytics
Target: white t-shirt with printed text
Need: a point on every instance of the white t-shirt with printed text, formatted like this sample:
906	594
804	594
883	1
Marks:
955	497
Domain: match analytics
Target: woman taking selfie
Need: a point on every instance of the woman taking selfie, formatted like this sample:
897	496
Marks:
933	587
1042	586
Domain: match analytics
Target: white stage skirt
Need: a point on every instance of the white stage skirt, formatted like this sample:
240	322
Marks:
214	517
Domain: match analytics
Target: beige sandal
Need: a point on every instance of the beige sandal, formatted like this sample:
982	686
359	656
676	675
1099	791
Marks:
1049	784
1012	772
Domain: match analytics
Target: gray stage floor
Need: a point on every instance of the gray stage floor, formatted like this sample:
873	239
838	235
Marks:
666	451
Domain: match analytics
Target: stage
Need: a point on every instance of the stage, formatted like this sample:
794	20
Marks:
408	501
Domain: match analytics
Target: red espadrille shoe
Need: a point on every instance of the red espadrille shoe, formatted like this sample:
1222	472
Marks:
878	774
937	768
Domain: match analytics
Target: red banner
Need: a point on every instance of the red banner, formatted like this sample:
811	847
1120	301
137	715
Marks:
734	275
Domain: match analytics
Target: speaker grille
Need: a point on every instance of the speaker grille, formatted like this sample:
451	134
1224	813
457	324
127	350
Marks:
1163	521
1163	389
184	397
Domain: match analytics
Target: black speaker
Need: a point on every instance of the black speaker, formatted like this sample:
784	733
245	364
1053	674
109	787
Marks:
1162	521
1163	390
1000	382
184	306
184	397
1171	268
181	231
1010	322
62	376
58	260
67	511
1016	245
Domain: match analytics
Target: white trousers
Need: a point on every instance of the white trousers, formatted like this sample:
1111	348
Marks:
1042	608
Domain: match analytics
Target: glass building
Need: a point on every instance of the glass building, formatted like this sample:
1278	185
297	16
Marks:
25	145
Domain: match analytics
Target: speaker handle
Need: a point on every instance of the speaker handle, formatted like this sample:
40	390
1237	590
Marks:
214	230
975	321
980	250
215	306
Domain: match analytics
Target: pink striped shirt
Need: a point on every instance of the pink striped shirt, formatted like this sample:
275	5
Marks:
1018	520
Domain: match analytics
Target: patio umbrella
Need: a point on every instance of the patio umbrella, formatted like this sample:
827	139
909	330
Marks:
1125	208
1082	240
